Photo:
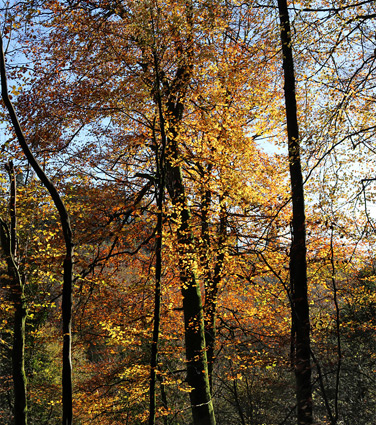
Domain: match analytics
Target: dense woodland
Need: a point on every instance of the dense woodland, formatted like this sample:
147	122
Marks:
187	219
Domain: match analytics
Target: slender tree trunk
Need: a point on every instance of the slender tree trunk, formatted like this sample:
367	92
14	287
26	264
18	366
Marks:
163	397
18	352
298	262
212	294
9	245
209	285
159	190
67	232
211	278
18	360
66	308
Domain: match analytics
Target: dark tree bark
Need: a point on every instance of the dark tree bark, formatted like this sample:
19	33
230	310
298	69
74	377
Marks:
209	283
163	397
9	246
67	232
298	262
194	329
197	368
212	277
159	193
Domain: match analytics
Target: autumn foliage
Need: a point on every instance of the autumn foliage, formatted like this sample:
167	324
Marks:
162	126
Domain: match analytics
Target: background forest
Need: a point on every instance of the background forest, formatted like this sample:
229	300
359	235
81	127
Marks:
187	219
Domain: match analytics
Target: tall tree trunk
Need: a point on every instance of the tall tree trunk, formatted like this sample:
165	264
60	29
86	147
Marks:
9	245
211	294
212	278
18	357
170	108
197	368
298	262
67	232
159	193
194	329
209	307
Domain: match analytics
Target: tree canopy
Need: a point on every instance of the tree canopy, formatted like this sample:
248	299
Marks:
187	216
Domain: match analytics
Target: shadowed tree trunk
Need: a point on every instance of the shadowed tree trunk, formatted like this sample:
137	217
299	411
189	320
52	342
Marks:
197	368
194	329
212	276
298	262
159	194
17	286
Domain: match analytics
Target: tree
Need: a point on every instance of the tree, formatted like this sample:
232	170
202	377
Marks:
68	261
300	333
201	82
159	197
8	238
